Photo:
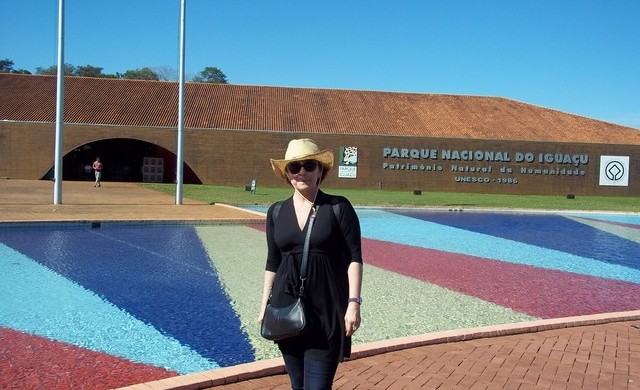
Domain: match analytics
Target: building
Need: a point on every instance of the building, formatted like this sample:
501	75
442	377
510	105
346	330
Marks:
382	140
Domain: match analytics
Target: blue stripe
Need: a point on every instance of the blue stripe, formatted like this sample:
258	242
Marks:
381	225
36	300
547	231
158	273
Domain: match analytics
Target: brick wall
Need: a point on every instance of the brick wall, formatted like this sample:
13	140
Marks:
234	157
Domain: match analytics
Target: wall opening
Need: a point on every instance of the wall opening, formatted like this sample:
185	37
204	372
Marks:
123	160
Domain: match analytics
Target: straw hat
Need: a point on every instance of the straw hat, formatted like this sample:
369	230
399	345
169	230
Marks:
300	150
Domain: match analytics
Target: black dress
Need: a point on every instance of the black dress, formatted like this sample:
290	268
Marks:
335	242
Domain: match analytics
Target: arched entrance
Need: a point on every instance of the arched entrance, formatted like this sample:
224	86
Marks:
124	159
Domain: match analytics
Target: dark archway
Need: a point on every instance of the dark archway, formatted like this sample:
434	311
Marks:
124	160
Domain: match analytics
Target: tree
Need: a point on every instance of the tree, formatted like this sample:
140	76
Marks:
141	74
89	71
211	74
69	70
20	71
6	66
166	73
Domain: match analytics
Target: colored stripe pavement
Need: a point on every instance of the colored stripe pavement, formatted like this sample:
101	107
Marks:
587	352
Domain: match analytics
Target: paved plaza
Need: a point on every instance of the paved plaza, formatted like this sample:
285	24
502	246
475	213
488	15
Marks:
588	352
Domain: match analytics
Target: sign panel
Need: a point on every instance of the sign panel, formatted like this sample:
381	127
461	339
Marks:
348	168
614	171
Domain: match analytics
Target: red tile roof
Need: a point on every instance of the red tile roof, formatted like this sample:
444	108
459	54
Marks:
225	106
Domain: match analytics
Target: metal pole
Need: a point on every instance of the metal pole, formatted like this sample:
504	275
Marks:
180	150
57	170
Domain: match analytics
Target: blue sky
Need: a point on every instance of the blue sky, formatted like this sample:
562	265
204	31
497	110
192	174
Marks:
581	57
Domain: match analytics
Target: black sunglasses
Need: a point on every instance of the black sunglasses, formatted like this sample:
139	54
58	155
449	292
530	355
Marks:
308	165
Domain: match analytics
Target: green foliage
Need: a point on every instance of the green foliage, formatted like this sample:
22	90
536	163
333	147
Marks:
6	66
89	71
141	74
69	70
211	75
268	195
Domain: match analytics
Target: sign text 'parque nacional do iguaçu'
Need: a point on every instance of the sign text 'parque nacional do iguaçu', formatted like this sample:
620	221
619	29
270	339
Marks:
502	166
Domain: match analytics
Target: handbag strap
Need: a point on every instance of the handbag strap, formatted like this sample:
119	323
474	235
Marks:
305	252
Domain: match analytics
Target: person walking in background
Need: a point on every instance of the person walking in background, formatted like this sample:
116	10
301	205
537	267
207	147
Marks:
97	169
334	276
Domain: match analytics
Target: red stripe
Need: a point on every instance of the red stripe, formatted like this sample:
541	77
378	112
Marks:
33	362
536	291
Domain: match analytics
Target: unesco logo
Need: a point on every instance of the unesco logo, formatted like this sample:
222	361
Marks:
614	170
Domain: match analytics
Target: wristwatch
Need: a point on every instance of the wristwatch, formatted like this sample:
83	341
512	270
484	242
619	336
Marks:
356	300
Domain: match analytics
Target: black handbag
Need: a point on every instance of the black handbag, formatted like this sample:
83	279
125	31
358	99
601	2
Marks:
280	323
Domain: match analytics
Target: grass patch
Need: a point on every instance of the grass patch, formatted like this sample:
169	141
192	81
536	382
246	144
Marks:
267	195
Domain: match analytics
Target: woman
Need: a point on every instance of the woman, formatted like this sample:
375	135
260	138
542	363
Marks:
97	167
334	276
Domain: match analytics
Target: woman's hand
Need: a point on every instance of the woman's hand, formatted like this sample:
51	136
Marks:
269	277
352	318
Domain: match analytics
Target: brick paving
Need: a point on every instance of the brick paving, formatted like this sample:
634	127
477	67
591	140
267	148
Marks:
589	352
591	357
32	200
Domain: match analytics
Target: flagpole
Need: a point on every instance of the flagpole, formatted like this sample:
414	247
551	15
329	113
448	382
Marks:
57	164
180	149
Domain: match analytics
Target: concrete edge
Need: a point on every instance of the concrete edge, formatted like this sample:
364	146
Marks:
378	347
217	221
257	213
241	372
